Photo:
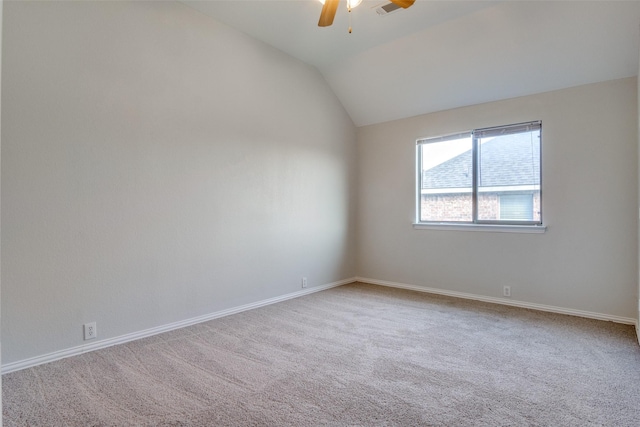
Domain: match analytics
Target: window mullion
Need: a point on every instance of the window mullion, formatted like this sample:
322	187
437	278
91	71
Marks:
419	181
474	178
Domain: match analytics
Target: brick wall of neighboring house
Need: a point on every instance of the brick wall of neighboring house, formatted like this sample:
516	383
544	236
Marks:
457	207
446	207
536	206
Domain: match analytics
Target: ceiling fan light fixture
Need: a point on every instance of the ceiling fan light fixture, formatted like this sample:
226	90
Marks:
350	3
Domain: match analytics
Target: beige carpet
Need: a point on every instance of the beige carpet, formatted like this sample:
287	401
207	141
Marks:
357	355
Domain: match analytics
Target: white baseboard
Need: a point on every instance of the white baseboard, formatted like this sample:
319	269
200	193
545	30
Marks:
97	345
503	301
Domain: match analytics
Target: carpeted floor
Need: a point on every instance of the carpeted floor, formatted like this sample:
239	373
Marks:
357	355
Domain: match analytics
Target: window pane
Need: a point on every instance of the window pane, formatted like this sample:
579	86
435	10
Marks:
446	174
509	177
516	207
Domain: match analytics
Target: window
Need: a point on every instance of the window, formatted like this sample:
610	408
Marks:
518	207
485	176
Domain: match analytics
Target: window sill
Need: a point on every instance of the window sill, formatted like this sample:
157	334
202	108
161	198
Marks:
492	228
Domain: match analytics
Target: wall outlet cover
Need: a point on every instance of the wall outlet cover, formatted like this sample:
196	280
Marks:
90	331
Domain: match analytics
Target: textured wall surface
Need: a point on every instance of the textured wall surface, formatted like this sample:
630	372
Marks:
157	166
587	259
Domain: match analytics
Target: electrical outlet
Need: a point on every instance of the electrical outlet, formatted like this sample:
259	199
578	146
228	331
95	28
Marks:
90	331
506	291
304	282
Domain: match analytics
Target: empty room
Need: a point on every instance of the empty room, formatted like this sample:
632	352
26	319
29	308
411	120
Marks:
319	213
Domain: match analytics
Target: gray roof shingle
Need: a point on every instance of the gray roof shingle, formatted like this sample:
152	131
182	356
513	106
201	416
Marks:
504	161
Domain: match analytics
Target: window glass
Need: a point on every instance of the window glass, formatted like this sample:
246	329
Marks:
490	175
446	180
509	173
517	207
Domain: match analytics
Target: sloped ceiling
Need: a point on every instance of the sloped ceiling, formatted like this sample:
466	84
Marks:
439	55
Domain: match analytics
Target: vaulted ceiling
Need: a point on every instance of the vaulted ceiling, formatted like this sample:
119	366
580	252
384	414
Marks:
439	55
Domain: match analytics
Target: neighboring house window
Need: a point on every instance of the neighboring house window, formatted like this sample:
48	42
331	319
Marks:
485	176
516	207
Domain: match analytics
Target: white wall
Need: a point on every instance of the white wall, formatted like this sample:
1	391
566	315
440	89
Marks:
588	258
157	166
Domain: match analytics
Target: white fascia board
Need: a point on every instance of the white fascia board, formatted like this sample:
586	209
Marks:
503	189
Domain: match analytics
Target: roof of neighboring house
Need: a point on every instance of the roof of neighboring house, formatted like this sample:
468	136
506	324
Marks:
504	161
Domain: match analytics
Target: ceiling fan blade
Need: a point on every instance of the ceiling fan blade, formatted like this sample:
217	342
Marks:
328	13
403	3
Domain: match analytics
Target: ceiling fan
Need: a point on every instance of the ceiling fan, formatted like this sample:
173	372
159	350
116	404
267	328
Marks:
331	6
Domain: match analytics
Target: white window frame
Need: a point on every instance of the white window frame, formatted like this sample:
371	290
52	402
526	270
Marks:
477	224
